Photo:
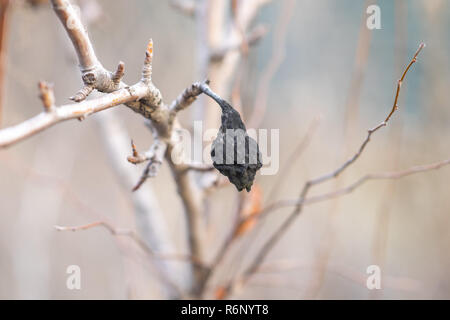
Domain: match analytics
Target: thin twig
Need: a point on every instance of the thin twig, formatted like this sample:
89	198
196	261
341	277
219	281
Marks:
134	236
350	188
293	158
278	54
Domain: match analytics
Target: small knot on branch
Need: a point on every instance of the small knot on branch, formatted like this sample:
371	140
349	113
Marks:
89	78
47	96
147	70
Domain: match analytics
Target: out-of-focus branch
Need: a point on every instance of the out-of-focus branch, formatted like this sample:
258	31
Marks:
385	210
252	38
216	34
397	283
187	7
36	3
278	54
260	104
4	9
248	209
270	243
140	242
293	158
351	112
357	78
134	236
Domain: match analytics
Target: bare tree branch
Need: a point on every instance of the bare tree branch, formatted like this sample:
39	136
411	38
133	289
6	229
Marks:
187	7
44	120
143	98
186	98
293	158
278	54
270	243
252	38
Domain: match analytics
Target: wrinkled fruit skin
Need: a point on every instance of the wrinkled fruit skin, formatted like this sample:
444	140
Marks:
235	154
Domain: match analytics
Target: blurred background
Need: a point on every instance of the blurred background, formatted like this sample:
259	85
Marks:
324	70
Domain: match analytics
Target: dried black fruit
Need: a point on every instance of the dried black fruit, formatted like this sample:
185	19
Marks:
235	154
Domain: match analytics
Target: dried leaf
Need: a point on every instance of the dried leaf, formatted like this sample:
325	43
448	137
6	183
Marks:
235	154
